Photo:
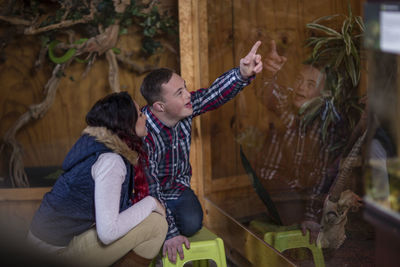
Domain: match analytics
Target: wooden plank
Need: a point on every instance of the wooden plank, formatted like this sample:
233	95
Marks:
193	40
23	194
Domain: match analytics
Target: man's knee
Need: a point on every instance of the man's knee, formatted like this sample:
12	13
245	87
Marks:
191	224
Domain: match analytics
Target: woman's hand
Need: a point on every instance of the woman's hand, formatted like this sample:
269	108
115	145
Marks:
159	208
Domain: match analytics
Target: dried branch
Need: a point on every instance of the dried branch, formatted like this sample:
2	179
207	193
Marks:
16	165
41	58
92	59
102	42
345	169
16	20
134	66
168	46
151	4
64	23
113	74
121	5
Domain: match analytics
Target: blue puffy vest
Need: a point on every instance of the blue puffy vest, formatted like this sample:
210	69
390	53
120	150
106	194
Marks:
68	209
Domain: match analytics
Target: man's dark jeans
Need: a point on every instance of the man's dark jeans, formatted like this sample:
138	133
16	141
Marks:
187	213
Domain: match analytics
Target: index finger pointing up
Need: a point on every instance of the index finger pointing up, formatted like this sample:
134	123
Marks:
273	46
255	47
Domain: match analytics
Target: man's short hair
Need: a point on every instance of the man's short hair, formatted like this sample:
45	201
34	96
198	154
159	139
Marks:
152	84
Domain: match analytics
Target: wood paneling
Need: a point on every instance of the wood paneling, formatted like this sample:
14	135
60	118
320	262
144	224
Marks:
194	70
17	207
45	142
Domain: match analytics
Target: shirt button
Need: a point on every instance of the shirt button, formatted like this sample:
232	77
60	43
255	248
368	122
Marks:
174	147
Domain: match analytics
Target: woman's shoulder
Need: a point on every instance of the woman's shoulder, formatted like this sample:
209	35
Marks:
109	162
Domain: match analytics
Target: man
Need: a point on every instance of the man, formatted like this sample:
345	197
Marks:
170	110
294	157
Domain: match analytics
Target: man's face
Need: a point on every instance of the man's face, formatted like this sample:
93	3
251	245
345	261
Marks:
176	99
308	85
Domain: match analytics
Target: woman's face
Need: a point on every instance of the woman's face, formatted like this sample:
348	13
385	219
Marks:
140	127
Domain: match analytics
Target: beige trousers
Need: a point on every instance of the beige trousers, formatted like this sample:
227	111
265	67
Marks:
145	239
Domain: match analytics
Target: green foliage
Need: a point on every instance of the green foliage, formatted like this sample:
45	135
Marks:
151	22
338	51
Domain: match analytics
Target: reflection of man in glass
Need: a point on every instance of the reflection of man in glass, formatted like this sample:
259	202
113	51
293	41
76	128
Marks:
294	157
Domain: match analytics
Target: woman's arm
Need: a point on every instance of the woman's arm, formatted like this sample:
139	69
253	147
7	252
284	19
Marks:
109	173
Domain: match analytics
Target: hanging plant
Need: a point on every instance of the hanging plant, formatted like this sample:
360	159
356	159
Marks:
338	50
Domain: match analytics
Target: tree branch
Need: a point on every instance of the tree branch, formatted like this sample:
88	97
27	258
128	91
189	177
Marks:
134	66
16	20
63	24
16	164
113	75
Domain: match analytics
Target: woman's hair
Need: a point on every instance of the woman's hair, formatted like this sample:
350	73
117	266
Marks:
117	112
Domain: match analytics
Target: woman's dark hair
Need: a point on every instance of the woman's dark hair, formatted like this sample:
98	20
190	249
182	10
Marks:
117	112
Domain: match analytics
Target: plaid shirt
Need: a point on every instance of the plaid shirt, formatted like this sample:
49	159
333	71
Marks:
297	156
168	148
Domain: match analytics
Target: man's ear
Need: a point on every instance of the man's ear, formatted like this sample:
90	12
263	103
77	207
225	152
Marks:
159	106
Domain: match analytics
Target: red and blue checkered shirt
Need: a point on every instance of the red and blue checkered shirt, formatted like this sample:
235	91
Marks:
168	148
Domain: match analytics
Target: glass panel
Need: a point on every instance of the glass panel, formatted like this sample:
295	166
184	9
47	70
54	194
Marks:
300	124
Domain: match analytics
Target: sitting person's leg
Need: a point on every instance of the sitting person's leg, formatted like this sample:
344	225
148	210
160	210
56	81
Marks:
187	212
145	240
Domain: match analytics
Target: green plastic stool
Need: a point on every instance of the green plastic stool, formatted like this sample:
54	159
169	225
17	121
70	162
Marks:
204	246
285	237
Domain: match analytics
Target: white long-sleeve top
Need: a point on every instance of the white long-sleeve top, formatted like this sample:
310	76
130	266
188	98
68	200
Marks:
109	173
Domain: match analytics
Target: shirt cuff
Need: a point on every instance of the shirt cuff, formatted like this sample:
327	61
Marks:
172	229
241	78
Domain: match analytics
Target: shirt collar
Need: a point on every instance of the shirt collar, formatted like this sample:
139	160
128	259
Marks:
152	121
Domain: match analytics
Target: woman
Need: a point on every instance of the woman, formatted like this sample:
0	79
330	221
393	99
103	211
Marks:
98	210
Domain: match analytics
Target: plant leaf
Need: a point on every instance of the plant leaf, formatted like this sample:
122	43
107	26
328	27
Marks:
311	105
326	18
323	28
347	41
346	26
339	58
360	23
351	70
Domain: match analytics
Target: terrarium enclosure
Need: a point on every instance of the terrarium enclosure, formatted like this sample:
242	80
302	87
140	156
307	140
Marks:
259	167
246	158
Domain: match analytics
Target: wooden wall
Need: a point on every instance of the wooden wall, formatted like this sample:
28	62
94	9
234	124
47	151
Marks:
233	27
46	141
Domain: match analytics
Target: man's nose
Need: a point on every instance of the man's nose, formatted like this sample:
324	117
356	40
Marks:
187	93
302	85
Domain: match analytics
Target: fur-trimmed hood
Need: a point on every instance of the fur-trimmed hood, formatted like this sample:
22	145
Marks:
113	142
